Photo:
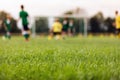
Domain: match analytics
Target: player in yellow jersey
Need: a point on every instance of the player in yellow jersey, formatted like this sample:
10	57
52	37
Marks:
117	23
56	29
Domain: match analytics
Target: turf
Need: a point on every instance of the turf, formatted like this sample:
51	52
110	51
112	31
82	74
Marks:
96	58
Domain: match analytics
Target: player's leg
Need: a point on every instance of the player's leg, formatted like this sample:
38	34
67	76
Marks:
50	36
118	33
55	35
69	31
59	35
64	33
26	33
8	35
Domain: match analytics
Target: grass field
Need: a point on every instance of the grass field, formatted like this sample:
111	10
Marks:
71	59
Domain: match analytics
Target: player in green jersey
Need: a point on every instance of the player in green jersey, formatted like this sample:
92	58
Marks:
24	17
7	26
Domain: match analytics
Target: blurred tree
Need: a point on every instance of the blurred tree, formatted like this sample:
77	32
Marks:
2	18
13	23
100	16
109	23
3	15
97	23
14	26
41	24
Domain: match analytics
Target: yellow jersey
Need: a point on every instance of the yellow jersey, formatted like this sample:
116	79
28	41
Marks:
117	22
57	27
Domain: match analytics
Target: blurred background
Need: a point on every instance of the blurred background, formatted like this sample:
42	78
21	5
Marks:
90	16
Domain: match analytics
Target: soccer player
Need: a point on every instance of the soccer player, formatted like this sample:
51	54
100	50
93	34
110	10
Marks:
65	27
71	29
24	16
117	23
56	29
7	26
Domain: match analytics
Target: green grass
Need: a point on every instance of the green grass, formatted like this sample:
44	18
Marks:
70	59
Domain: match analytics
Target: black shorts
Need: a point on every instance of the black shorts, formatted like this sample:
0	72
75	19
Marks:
25	27
65	30
117	31
56	33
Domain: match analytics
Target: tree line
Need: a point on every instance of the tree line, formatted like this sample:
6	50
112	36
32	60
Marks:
96	24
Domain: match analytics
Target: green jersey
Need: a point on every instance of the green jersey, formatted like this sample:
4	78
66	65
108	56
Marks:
23	15
65	25
8	25
71	25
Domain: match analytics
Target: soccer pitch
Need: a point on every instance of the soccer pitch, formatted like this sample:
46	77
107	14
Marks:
96	58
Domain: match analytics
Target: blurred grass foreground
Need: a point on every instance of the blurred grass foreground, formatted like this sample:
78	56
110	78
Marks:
95	58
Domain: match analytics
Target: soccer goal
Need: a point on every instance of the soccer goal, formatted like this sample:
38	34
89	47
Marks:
41	24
